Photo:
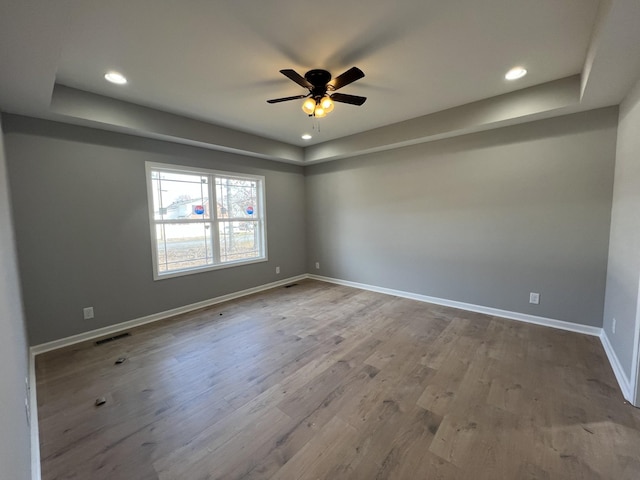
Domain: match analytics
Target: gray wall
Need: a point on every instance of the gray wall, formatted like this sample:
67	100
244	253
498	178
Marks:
624	244
15	458
484	218
82	228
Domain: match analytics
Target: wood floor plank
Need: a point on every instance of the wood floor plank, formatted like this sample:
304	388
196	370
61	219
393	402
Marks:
321	381
320	448
289	442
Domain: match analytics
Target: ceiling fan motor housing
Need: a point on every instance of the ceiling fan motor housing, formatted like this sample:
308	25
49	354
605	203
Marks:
319	79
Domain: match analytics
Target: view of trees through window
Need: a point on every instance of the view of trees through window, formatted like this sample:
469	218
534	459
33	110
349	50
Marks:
204	220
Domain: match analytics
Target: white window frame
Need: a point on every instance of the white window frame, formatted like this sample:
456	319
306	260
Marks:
260	218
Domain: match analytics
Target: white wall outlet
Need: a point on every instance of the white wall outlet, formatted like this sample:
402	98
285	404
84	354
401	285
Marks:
534	298
613	326
277	270
87	312
317	265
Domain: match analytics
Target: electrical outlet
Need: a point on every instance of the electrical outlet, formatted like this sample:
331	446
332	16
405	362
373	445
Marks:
317	265
88	313
613	326
277	270
534	298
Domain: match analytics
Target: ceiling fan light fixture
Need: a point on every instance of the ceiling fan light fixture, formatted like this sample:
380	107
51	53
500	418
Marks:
309	105
319	102
327	104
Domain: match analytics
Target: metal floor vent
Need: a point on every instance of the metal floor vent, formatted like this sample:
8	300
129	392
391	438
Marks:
111	339
291	285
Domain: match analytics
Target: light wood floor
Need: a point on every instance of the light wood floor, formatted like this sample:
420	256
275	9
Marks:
320	381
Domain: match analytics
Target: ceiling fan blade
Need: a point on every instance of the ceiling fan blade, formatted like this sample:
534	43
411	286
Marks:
286	99
296	77
350	99
350	76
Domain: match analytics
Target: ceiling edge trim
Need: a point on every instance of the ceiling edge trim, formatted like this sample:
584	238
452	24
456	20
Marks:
107	113
554	98
548	99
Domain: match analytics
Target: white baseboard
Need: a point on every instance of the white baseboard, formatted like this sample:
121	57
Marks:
522	317
34	430
118	327
623	380
111	329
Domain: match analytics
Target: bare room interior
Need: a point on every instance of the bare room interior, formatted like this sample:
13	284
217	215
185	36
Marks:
302	240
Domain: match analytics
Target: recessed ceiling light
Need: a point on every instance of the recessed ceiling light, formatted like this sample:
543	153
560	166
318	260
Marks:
115	77
306	136
515	73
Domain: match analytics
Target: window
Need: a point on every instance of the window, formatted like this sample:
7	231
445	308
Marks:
203	219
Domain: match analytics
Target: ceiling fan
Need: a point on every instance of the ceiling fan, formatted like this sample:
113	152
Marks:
320	85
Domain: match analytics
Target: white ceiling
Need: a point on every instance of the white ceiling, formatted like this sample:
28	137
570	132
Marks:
219	61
